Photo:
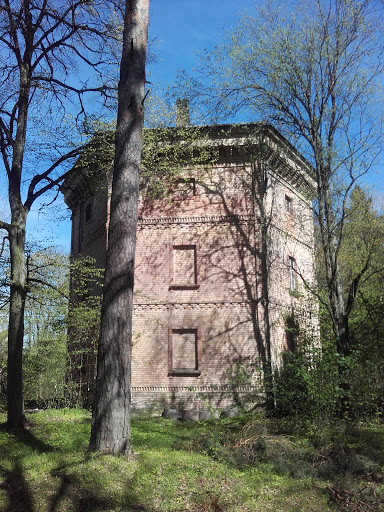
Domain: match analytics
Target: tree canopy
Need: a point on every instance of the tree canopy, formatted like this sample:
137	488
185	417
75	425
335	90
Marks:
52	55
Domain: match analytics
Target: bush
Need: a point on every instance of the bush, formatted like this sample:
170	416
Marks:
320	387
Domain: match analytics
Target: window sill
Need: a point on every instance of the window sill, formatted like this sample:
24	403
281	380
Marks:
184	287
184	372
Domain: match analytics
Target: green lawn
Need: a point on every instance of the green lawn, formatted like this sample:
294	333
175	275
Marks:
225	465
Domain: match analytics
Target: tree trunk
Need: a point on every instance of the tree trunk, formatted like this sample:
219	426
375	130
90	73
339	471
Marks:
111	414
330	243
341	320
265	267
16	232
336	294
16	325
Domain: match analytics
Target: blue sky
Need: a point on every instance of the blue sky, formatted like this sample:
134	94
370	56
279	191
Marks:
179	28
184	26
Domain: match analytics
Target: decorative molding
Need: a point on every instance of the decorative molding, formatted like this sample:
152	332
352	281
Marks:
155	221
195	389
172	306
185	306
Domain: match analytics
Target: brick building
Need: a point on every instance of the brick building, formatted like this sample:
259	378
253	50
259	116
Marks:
219	272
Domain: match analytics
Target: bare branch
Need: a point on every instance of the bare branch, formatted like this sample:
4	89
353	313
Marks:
2	245
33	194
42	282
6	226
103	89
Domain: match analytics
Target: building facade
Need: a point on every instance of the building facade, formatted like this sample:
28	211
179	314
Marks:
222	270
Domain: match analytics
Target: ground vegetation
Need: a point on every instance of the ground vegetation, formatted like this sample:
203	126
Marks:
250	463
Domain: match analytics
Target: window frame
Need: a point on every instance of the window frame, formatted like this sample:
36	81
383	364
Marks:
184	286
188	182
288	204
184	372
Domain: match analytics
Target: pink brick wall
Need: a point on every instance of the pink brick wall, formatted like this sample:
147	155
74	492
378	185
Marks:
214	238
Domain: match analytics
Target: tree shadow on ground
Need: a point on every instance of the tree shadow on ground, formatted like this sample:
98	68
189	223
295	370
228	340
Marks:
25	436
84	500
14	483
20	498
369	442
68	490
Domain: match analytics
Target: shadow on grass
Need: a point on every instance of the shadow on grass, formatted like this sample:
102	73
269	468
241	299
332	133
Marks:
14	483
370	442
255	443
70	490
67	489
25	436
20	498
82	499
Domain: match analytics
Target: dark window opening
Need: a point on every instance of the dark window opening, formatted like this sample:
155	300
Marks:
288	204
292	273
223	154
292	334
231	154
88	212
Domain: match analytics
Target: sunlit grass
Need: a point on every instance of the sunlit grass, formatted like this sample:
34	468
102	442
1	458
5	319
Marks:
178	467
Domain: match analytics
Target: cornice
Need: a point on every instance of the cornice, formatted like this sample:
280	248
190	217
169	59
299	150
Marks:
185	306
195	389
154	221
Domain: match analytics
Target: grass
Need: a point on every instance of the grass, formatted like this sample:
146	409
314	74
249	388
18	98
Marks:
220	466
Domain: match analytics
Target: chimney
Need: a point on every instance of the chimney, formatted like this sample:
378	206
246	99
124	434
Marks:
182	112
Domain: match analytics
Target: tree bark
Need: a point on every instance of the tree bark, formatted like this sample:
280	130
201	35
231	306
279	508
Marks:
16	325
260	184
329	228
41	39
15	404
111	414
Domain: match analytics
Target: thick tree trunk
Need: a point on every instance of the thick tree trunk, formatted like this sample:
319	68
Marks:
16	235
16	325
18	263
111	414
